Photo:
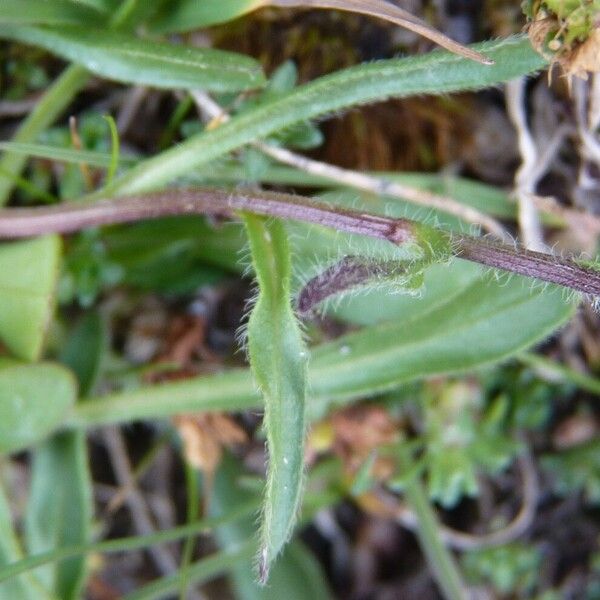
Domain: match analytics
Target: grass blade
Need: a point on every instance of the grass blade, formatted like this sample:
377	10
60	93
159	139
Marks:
92	158
278	359
435	73
124	544
47	110
124	58
202	570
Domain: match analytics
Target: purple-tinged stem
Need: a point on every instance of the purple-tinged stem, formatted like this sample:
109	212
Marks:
73	216
542	266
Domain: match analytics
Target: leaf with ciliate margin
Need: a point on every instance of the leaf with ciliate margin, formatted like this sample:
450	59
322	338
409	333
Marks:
122	57
482	322
295	576
278	359
28	279
433	73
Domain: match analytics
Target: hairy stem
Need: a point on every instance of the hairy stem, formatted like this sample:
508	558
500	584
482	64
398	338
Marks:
69	217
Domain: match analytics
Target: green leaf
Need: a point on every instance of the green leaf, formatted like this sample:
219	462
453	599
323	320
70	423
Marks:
28	278
124	58
485	322
434	73
576	469
187	15
34	400
85	349
59	511
295	576
278	359
45	12
17	567
54	101
442	283
25	587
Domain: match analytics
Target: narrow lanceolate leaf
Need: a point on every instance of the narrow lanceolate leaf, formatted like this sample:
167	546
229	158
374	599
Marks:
34	400
278	359
434	73
28	278
59	510
44	12
122	57
60	506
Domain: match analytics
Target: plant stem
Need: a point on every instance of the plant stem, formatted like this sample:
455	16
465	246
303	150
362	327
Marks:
439	559
69	217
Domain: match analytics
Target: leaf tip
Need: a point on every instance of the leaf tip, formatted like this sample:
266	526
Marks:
263	566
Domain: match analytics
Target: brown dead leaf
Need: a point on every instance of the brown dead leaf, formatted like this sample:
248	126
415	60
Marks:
574	60
358	431
574	430
204	437
584	59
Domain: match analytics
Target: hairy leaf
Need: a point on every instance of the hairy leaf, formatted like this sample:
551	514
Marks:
434	73
278	360
122	57
483	322
295	576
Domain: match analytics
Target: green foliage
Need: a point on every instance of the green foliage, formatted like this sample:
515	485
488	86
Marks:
124	58
186	15
434	73
460	439
28	278
59	512
295	576
87	270
576	469
34	400
473	328
278	359
42	12
513	568
463	320
26	586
